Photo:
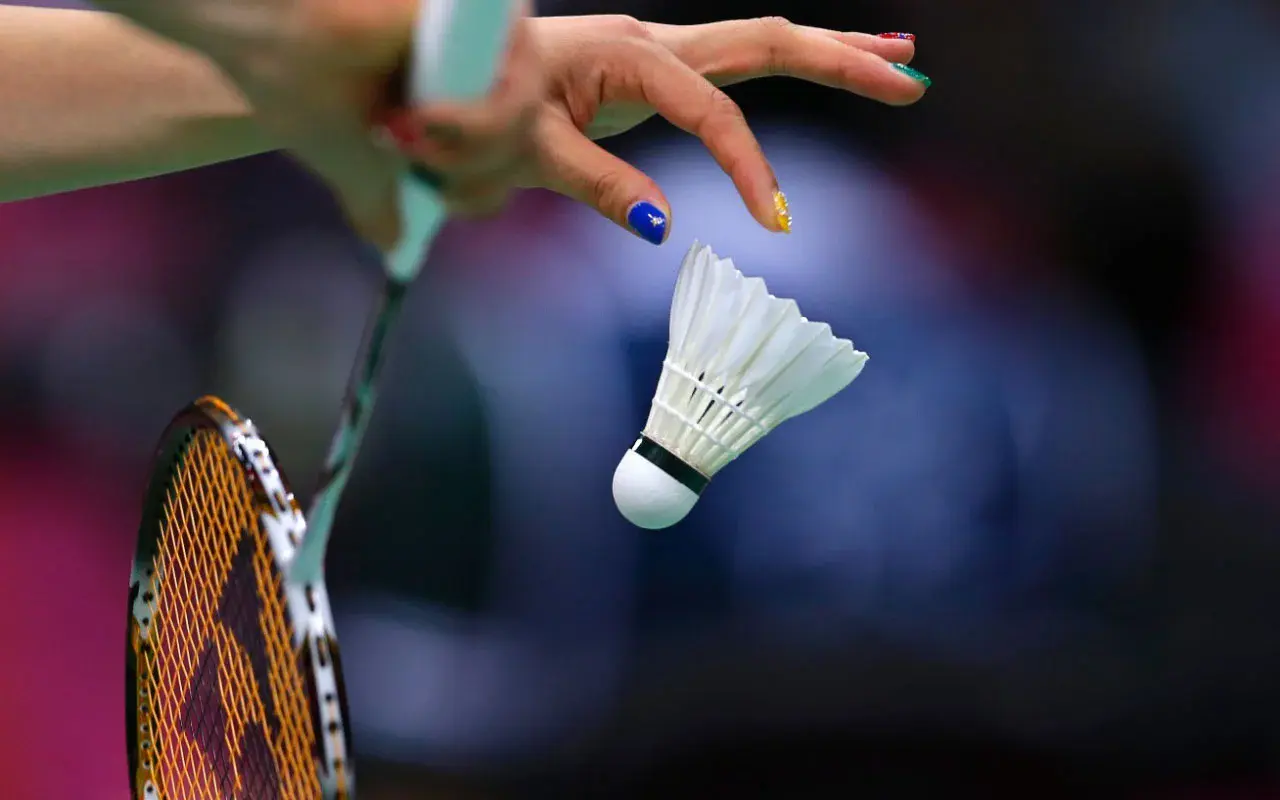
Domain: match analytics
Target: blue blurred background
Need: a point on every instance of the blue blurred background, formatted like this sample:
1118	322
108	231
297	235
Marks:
1033	551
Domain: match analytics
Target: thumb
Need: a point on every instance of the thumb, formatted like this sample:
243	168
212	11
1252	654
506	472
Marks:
576	167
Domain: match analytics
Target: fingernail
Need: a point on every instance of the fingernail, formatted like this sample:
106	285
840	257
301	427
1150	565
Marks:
910	37
400	128
914	74
648	221
782	210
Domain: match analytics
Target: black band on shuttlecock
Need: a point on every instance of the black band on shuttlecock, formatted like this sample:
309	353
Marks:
668	462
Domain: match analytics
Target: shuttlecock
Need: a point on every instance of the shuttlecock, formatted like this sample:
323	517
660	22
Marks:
739	363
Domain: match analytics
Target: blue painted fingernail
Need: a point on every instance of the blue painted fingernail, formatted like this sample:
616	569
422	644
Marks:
648	221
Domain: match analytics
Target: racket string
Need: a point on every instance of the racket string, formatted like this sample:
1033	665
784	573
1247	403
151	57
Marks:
225	727
199	484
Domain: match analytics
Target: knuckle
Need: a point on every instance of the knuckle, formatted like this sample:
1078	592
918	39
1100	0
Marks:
605	186
633	55
628	26
722	109
776	35
774	26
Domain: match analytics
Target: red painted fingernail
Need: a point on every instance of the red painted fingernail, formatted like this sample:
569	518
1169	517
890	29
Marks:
910	37
401	128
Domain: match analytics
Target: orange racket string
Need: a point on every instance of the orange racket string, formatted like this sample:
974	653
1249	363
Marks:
228	705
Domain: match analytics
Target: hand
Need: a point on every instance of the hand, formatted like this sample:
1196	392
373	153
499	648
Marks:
318	74
478	152
610	73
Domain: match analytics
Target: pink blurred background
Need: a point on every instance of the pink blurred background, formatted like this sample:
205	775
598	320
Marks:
1032	551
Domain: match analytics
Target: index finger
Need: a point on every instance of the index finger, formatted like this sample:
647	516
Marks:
688	101
741	50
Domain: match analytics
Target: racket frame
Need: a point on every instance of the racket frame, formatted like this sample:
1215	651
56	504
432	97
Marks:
457	48
307	605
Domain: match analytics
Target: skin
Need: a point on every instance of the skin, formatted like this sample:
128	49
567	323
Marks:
317	73
316	79
609	74
147	107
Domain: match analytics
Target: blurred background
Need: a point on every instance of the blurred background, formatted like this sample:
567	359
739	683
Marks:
1033	551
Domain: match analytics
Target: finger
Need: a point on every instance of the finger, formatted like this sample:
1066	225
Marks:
576	167
732	52
465	129
814	55
895	47
651	74
466	143
504	161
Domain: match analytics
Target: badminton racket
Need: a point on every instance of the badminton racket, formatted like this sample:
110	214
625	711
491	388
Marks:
233	672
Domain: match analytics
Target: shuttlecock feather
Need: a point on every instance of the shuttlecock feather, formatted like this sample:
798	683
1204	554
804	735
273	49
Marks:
739	363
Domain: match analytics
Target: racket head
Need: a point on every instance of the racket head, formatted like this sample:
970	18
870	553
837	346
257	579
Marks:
233	675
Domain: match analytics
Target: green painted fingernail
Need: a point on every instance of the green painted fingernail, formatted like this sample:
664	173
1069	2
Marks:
914	74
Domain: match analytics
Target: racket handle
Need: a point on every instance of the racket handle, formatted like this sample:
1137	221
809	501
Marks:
458	48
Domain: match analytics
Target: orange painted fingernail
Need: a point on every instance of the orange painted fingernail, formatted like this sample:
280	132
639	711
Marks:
783	211
910	37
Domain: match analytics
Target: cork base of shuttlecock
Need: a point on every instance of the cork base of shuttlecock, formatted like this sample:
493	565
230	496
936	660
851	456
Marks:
652	488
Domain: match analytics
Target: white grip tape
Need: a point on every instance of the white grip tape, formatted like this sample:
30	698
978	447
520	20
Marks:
458	47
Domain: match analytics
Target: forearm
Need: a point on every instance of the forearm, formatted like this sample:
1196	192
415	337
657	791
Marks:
88	99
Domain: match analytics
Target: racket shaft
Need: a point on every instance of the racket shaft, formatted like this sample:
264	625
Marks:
356	411
458	49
